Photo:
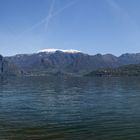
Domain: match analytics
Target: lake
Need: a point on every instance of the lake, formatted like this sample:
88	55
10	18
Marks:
64	108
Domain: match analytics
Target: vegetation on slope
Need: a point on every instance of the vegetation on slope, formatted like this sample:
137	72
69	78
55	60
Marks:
127	70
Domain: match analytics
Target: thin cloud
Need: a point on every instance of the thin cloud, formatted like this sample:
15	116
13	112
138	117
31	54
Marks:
118	9
132	27
65	7
45	20
122	13
48	18
51	15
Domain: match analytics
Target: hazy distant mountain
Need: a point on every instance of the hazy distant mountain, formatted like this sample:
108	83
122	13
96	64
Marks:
56	61
129	58
64	61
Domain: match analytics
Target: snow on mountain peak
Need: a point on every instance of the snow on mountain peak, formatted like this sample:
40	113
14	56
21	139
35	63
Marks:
61	50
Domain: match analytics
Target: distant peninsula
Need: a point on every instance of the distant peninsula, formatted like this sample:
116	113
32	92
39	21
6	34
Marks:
127	70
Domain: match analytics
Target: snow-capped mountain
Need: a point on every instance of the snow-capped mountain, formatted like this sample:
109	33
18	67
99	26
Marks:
62	61
56	50
68	61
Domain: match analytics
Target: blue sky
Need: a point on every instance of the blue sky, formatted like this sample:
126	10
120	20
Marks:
91	26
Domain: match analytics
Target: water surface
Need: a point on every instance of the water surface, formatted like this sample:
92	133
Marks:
61	108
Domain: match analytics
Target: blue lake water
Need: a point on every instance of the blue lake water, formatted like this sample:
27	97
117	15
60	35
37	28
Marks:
62	108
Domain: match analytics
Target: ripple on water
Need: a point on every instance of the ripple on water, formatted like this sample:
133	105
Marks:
57	108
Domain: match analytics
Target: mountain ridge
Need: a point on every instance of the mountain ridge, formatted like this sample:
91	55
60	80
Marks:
74	62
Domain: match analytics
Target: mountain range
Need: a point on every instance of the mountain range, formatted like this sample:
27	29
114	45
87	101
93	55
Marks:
57	61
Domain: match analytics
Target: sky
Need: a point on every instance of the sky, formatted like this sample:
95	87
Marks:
90	26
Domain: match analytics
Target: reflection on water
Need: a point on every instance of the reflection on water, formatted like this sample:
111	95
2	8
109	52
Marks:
60	108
